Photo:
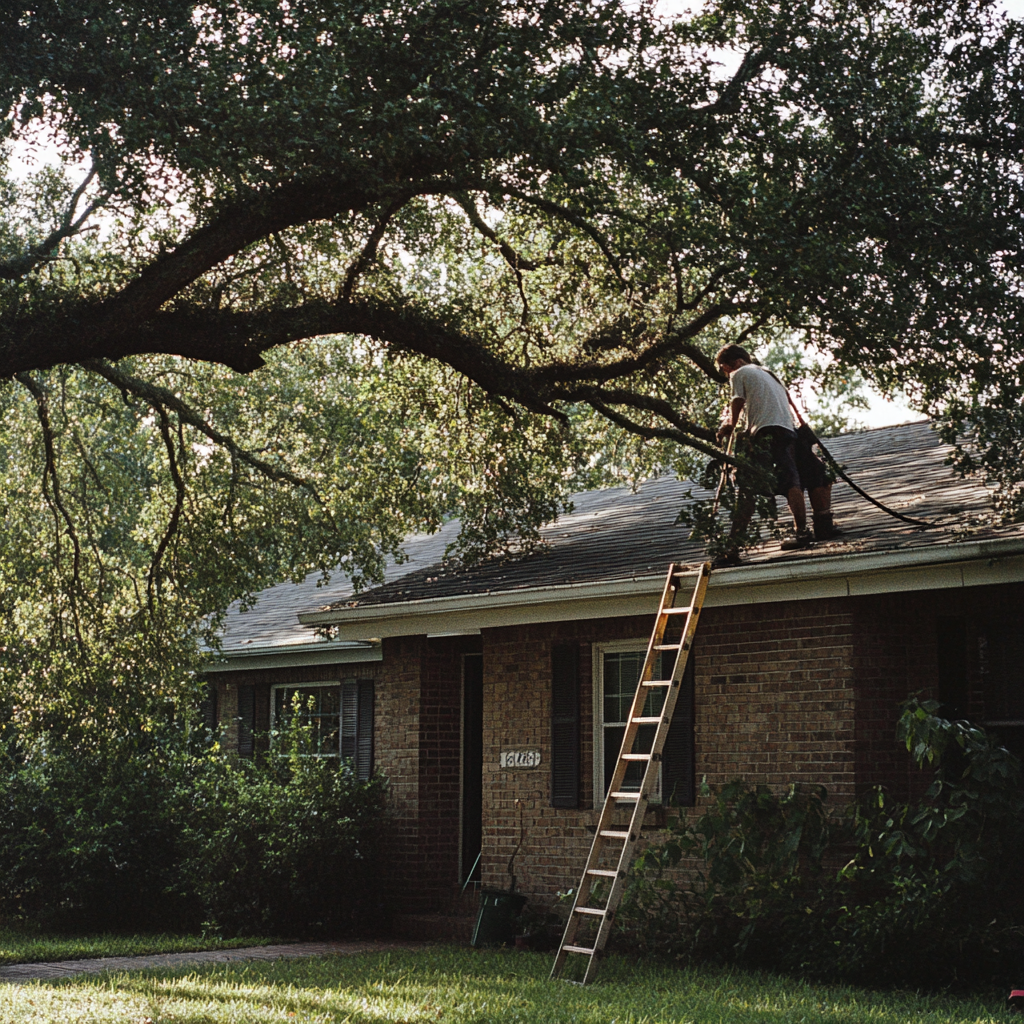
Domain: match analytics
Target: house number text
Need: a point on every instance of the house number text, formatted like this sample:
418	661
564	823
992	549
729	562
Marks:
524	757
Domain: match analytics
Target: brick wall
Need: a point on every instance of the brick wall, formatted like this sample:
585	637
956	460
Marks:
792	691
899	643
774	704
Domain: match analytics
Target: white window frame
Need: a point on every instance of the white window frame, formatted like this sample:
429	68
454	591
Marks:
312	684
598	651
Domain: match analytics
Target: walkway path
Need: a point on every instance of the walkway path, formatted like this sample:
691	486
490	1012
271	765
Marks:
66	968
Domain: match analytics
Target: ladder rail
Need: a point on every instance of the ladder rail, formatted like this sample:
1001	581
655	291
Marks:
606	832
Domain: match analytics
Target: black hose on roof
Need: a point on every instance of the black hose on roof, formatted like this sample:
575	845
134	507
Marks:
864	494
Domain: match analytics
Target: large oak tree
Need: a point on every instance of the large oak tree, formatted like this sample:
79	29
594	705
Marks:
287	229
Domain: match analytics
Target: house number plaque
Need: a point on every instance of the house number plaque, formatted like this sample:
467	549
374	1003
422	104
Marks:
521	757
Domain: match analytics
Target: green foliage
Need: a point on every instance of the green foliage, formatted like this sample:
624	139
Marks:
307	276
751	856
125	538
290	847
930	893
88	841
148	833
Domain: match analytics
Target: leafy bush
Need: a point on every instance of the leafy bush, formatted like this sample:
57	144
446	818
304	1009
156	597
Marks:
930	894
150	833
86	840
289	847
752	858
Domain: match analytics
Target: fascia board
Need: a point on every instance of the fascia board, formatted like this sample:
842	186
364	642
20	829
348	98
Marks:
294	656
971	563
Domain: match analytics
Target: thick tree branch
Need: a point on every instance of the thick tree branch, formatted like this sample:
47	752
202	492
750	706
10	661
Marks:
512	258
369	251
578	220
672	344
728	101
647	403
246	222
657	433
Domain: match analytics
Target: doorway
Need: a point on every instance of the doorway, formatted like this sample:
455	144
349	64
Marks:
472	766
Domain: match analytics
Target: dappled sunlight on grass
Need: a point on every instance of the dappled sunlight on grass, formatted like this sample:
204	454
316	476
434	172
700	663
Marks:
459	986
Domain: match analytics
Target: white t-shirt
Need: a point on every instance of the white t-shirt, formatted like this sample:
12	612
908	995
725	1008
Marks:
766	402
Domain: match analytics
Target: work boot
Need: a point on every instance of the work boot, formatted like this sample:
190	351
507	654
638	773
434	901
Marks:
797	541
824	527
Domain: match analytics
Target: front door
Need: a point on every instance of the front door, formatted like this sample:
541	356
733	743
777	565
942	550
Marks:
472	764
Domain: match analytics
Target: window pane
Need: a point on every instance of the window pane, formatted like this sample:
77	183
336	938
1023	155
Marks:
621	674
318	709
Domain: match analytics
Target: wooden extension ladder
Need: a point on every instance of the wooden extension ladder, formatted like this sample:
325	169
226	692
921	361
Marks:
603	866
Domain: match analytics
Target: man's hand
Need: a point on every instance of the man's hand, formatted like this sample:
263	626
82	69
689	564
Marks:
724	431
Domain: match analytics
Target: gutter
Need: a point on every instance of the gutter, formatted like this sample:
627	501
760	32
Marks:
293	655
971	563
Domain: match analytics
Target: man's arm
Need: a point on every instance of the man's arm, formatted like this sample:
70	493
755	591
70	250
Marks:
734	417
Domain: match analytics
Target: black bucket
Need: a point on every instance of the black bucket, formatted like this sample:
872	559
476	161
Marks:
496	919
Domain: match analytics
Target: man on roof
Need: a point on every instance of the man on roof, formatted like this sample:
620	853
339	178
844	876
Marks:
759	394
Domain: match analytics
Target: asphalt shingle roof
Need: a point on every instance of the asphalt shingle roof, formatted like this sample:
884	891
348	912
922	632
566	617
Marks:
620	534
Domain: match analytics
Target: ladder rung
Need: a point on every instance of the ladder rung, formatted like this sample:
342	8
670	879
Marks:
589	910
624	796
658	682
608	834
636	757
676	611
667	647
578	949
649	720
602	872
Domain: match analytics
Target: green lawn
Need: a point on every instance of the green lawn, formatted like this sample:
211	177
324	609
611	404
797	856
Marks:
25	945
460	986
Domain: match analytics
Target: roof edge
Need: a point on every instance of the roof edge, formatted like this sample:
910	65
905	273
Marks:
295	655
748	584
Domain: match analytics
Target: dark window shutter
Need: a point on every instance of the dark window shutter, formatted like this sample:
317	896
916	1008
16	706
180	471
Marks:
246	720
208	708
364	729
565	726
952	657
349	716
677	759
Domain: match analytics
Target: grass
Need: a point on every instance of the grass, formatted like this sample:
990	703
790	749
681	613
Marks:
459	986
29	946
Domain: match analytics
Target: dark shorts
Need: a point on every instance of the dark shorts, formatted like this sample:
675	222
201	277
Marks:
793	462
780	445
813	472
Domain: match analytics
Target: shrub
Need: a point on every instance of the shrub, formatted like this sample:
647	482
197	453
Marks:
930	894
87	840
289	848
150	833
